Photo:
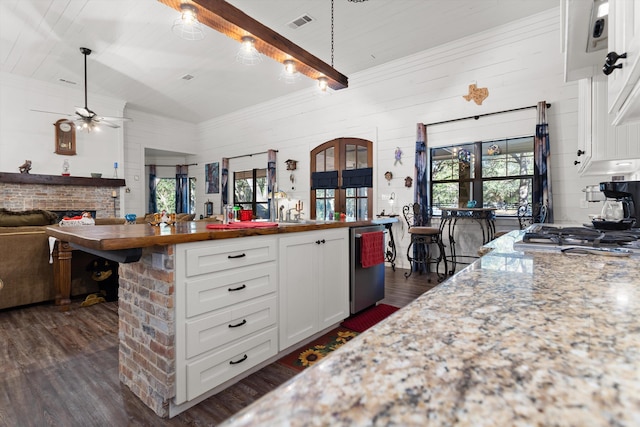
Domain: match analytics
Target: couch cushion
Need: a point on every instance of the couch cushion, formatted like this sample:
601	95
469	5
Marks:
27	218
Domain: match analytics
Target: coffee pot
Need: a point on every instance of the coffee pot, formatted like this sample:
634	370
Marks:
616	210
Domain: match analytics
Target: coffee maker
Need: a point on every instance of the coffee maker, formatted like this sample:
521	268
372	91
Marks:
627	192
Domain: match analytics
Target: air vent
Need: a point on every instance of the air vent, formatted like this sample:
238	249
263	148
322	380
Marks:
299	22
67	81
186	77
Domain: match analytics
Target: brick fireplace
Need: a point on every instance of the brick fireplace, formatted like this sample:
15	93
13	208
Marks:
60	193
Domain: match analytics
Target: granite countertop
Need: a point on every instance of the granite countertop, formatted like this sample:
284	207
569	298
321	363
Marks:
514	339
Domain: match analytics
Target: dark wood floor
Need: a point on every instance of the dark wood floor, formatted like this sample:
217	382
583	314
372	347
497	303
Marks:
61	368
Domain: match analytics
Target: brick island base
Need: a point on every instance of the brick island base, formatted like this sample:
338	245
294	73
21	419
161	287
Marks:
147	328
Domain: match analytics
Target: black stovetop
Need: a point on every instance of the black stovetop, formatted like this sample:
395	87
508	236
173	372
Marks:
581	236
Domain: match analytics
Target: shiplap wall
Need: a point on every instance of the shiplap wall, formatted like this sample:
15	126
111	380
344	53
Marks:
161	133
520	63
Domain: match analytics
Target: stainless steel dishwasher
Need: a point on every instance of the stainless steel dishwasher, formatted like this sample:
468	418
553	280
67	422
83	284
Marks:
366	285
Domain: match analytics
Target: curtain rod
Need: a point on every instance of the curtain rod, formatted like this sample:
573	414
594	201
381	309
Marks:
250	155
170	166
486	114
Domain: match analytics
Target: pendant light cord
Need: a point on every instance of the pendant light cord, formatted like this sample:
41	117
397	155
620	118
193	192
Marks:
331	33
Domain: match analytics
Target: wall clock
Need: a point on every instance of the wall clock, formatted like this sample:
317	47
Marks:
65	137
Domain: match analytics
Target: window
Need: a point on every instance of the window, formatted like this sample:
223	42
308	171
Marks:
496	174
166	194
342	179
250	192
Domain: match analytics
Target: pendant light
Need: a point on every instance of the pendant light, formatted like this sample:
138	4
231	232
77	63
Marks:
289	74
248	54
227	19
187	26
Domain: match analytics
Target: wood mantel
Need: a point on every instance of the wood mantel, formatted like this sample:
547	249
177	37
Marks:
26	178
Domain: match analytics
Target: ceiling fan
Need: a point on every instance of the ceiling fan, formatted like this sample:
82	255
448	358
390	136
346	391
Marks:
85	118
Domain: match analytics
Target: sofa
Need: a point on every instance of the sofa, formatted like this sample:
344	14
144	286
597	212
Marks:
26	276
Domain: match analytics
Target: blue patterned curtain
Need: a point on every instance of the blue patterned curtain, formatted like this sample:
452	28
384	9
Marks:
542	194
182	189
153	205
224	187
422	188
271	181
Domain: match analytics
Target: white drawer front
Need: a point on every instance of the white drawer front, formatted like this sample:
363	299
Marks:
229	254
213	370
218	290
215	331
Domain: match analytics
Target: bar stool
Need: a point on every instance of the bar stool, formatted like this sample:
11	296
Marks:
422	238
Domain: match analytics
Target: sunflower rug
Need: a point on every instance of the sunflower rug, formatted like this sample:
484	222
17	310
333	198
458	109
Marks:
316	350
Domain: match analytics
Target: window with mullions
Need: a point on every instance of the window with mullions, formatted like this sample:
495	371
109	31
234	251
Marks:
342	179
496	174
250	192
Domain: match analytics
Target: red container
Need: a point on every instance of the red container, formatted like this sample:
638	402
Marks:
246	215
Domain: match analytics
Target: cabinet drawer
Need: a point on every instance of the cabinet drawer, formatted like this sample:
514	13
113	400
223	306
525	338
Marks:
218	290
209	257
215	331
211	371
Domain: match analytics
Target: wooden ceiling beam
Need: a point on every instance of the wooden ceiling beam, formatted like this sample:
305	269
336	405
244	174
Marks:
234	23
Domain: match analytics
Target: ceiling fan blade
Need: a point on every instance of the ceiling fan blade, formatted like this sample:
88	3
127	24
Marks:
126	119
84	112
105	122
53	112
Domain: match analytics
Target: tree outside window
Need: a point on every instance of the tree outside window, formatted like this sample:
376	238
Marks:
166	194
496	174
250	192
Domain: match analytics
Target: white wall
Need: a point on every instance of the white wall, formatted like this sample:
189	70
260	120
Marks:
25	134
520	63
161	133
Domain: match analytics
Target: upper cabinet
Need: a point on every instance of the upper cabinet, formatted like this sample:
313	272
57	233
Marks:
603	149
585	29
622	62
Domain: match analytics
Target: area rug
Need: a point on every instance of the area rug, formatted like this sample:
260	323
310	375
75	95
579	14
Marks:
318	349
362	321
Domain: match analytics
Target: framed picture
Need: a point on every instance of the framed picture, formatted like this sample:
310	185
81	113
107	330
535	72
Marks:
212	173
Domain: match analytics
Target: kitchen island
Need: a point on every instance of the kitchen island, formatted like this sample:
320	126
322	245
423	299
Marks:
514	339
201	308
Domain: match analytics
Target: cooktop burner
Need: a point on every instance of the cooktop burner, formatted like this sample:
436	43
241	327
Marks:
539	235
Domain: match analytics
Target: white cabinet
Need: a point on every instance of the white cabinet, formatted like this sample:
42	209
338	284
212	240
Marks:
624	37
603	149
314	283
226	311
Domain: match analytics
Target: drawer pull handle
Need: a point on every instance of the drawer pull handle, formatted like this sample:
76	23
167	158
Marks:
236	256
239	288
231	362
239	324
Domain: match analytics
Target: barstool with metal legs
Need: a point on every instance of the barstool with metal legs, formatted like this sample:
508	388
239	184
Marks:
423	237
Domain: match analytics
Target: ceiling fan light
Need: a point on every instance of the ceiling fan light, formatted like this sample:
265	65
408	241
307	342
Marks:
248	54
187	26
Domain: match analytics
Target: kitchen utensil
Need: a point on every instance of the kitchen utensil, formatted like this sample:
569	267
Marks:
597	251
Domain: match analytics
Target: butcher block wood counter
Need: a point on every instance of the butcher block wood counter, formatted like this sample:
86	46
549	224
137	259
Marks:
116	237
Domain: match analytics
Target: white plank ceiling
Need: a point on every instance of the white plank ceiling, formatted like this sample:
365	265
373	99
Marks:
138	59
